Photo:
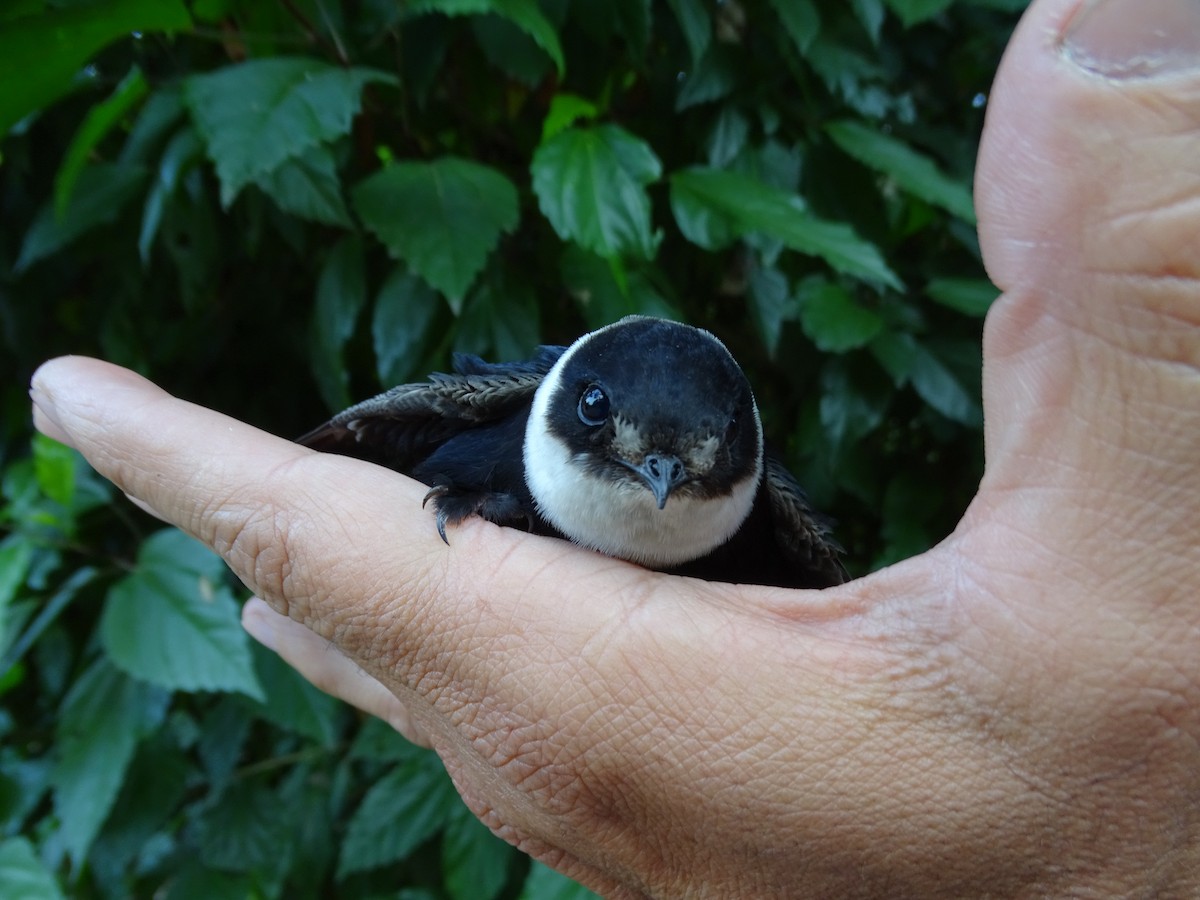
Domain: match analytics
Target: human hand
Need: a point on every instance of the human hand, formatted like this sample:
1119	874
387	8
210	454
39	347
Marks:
1012	713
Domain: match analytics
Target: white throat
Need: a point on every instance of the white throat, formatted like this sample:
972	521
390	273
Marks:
622	519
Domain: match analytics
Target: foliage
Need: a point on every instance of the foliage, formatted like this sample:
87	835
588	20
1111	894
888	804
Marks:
313	199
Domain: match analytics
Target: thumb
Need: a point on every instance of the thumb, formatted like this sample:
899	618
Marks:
1088	191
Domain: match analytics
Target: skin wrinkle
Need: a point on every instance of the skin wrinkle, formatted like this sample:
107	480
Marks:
735	742
242	511
607	878
1145	323
523	753
1027	368
1004	706
663	731
1183	202
1164	322
1036	782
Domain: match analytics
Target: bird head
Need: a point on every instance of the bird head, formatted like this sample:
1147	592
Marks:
644	442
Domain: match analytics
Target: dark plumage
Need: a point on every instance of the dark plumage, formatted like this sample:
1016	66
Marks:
641	440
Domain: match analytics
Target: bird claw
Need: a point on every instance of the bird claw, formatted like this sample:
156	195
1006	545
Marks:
438	490
454	506
435	493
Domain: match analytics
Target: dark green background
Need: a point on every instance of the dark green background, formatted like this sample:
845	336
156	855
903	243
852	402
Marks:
275	208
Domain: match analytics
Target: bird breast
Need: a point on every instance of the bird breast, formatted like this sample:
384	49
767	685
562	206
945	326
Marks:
619	516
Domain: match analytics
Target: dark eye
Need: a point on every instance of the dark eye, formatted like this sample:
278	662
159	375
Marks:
593	405
731	431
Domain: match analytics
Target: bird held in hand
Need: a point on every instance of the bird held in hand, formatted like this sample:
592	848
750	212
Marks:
641	440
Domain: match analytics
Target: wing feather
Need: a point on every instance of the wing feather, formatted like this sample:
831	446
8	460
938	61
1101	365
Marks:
803	535
403	425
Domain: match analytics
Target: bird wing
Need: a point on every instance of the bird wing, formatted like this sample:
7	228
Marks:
803	535
402	426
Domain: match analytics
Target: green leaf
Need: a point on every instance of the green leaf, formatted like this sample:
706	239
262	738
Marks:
39	54
565	110
511	50
443	217
65	478
727	138
871	14
696	25
145	804
101	721
601	297
855	76
834	322
908	361
19	9
16	555
22	875
24	784
910	170
543	883
256	115
223	732
341	295
734	205
908	504
972	296
913	11
713	78
771	304
632	21
54	465
193	881
404	312
475	862
499	320
292	702
705	223
182	152
801	19
99	121
242	832
101	192
48	612
402	810
590	184
173	623
380	742
525	14
308	186
304	799
854	400
158	115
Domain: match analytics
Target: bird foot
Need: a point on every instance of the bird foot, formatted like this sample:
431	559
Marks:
454	506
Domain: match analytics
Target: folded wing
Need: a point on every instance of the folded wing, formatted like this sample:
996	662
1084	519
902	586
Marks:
402	426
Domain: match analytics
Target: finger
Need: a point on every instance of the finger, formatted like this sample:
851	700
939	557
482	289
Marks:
339	545
1088	191
1094	108
327	668
537	670
456	633
243	491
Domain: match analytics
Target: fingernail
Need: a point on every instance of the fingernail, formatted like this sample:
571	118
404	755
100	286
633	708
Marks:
1135	38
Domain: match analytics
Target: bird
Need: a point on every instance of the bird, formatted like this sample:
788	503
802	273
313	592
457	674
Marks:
641	440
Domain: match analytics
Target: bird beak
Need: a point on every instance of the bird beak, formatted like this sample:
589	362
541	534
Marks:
662	474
